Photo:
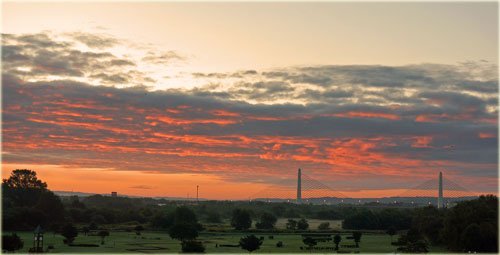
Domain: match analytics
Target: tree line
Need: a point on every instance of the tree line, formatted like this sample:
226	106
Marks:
468	226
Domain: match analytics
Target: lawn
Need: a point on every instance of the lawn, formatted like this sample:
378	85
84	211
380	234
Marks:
160	242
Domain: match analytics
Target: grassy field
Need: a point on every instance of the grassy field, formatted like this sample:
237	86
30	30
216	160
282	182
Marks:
160	242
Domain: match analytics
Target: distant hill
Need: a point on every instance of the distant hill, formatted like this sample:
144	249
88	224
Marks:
84	194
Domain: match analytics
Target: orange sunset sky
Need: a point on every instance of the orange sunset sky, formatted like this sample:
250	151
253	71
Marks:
153	99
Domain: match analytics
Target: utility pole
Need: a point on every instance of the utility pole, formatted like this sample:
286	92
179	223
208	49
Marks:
197	188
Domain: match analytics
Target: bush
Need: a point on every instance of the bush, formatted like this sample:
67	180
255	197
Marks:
279	244
324	226
69	232
267	221
250	243
241	219
302	224
192	246
12	242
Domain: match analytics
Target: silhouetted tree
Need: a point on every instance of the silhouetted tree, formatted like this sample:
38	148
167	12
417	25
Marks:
324	226
93	226
364	219
138	229
267	221
356	235
250	243
11	242
24	179
309	241
50	204
20	194
69	232
103	233
185	224
302	224
483	212
391	231
85	230
419	246
471	238
336	239
213	217
184	214
183	231
412	242
241	219
429	222
291	224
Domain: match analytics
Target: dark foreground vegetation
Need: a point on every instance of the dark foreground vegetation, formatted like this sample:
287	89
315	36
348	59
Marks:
469	226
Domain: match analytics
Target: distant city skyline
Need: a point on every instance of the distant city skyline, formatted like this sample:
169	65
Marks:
153	99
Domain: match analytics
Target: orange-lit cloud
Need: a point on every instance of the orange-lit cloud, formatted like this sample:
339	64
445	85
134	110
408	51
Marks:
367	127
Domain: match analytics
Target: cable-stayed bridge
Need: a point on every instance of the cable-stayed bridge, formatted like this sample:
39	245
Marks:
440	192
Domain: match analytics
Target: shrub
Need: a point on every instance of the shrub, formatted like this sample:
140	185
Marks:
324	226
69	232
12	242
250	243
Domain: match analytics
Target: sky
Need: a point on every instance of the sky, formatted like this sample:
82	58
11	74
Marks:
153	99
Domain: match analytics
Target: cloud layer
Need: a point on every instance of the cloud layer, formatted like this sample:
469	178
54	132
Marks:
367	127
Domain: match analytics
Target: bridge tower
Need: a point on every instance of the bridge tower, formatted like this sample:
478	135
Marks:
299	186
440	191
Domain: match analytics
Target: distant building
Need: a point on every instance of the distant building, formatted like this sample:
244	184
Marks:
114	194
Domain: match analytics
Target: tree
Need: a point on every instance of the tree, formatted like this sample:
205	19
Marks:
419	246
11	242
185	224
412	242
291	224
336	239
69	232
184	214
22	188
93	226
192	246
85	230
138	229
483	210
429	221
267	221
241	219
24	179
471	238
391	231
103	233
364	219
250	243
356	235
50	204
324	226
489	237
302	224
183	231
309	241
213	217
